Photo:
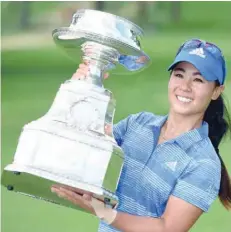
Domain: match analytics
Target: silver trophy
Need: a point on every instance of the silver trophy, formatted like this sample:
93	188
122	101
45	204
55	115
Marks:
69	145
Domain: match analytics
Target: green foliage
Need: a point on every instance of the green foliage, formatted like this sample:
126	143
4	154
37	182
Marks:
193	15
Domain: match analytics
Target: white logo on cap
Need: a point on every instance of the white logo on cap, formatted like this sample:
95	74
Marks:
198	52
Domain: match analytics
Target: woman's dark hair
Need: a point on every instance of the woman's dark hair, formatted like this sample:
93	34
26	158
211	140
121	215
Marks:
219	123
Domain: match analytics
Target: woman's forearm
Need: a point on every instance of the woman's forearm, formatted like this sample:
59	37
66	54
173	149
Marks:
131	223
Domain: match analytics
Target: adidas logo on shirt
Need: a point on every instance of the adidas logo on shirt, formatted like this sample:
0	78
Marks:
198	52
171	165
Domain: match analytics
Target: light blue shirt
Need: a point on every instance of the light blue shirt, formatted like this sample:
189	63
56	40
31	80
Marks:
186	167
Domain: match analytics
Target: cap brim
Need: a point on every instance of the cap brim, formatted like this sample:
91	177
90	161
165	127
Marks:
198	62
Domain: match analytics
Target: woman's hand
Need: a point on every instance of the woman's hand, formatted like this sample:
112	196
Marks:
86	202
83	70
68	193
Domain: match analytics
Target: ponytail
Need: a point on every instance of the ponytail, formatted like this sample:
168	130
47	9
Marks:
219	123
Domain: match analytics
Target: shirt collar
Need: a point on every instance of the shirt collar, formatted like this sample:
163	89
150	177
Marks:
187	139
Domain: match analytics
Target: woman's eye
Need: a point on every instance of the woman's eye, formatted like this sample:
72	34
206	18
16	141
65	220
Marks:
179	75
198	80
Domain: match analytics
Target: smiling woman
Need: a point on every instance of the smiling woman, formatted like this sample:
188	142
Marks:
188	87
173	171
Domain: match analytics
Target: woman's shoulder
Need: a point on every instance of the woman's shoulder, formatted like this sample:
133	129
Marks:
205	152
145	117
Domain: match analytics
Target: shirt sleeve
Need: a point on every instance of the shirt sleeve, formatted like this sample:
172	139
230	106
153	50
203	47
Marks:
120	129
200	184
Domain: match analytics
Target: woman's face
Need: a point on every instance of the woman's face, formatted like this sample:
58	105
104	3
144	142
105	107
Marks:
189	93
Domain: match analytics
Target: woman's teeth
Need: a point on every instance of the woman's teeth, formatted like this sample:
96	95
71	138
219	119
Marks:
184	99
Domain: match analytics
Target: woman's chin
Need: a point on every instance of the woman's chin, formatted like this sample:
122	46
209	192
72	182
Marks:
182	110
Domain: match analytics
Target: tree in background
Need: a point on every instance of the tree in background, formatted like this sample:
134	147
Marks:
142	13
25	15
175	11
100	5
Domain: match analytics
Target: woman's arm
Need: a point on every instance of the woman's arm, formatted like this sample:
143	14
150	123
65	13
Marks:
192	195
179	215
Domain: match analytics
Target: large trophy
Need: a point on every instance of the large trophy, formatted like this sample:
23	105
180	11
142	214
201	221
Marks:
69	145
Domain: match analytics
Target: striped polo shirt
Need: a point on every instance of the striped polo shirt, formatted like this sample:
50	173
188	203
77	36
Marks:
186	167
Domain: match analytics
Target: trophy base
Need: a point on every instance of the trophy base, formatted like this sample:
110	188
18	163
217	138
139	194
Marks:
37	183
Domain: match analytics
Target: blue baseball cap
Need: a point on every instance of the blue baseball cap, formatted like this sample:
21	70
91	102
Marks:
204	56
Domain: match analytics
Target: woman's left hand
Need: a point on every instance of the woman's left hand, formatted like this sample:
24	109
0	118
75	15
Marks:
87	202
68	193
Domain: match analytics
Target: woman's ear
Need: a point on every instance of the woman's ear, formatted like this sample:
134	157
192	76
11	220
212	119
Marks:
218	91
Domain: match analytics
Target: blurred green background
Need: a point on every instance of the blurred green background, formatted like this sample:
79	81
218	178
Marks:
33	69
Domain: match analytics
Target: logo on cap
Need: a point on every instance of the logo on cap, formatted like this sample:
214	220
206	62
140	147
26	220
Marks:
198	52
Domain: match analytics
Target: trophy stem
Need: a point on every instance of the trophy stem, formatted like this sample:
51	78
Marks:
101	59
96	74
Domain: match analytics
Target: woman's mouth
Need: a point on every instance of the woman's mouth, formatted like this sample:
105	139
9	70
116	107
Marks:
184	99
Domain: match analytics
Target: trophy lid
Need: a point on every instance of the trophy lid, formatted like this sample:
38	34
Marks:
106	29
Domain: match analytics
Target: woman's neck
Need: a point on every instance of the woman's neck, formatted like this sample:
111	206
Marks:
178	124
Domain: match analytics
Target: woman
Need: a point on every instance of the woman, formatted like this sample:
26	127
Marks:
176	173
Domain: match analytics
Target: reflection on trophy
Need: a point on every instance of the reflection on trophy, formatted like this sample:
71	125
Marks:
69	145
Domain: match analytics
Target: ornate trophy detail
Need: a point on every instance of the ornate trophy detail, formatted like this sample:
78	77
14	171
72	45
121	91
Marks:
69	144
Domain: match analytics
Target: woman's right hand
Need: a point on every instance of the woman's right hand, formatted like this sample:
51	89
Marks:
82	72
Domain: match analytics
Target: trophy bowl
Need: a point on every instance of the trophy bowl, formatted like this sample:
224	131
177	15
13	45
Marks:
69	145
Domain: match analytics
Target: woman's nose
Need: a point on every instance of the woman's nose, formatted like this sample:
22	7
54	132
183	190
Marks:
186	85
